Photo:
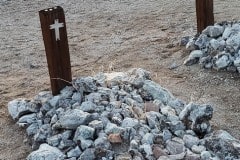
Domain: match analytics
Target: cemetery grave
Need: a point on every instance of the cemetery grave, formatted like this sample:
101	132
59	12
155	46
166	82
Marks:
113	115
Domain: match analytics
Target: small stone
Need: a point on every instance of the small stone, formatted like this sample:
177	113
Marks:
198	149
102	143
46	152
193	57
151	107
20	107
167	135
214	31
178	156
77	97
148	139
88	154
147	149
88	106
157	92
190	140
86	143
130	122
43	133
71	119
33	128
206	155
167	110
124	156
115	138
191	45
192	156
175	147
215	44
27	120
54	101
184	41
96	124
54	140
75	152
158	151
85	84
83	133
176	125
113	129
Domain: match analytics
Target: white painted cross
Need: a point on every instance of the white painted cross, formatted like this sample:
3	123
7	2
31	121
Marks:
56	26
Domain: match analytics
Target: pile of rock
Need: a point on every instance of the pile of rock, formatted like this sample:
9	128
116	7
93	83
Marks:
218	47
120	116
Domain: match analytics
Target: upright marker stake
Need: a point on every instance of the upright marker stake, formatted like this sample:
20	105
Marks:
56	46
205	16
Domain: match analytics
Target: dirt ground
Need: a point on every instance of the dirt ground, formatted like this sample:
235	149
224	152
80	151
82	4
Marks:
111	35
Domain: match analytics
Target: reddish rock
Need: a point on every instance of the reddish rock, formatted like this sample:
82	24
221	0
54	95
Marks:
158	151
151	107
115	138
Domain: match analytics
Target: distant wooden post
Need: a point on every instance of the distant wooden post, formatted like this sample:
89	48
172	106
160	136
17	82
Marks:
205	16
56	46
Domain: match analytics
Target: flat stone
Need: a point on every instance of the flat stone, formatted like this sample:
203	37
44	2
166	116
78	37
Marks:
124	156
174	147
157	92
86	143
73	118
46	152
20	107
75	152
83	133
113	129
115	138
102	143
190	140
198	149
27	120
88	154
130	122
88	106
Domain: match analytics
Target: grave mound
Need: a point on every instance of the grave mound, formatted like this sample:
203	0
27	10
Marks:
123	115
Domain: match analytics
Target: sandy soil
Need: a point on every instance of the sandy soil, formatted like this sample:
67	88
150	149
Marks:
106	35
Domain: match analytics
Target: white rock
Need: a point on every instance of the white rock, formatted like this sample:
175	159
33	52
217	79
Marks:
46	152
222	62
213	31
214	44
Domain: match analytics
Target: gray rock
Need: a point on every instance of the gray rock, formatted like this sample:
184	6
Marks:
193	57
113	128
221	61
177	156
196	118
206	62
157	92
77	97
223	144
86	143
191	45
102	143
190	140
177	105
198	149
67	92
176	125
54	140
227	32
184	41
148	139
167	135
33	128
20	107
129	134
75	152
215	44
167	110
214	31
154	120
27	120
146	149
130	122
175	146
88	154
123	156
73	118
234	41
206	155
192	156
237	62
88	106
43	133
46	152
85	84
96	124
66	144
54	101
83	133
202	41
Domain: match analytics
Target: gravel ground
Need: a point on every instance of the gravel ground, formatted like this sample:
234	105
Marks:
111	35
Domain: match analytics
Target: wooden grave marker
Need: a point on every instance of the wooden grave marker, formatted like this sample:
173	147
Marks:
205	16
56	46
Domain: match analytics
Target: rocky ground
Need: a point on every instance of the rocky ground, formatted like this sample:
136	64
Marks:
106	36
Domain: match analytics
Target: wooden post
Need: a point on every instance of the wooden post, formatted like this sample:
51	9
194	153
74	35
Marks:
56	46
205	16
